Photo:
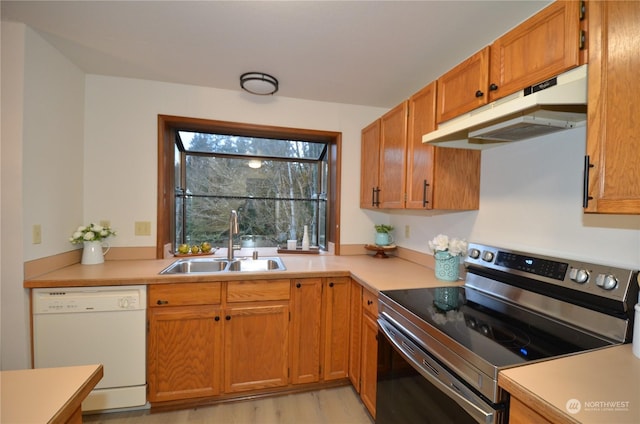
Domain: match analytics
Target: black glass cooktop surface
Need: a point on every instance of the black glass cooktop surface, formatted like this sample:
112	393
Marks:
500	333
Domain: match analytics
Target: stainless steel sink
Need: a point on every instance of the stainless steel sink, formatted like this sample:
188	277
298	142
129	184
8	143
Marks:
210	265
264	264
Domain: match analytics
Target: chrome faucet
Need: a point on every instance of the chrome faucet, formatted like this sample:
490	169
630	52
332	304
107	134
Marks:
233	229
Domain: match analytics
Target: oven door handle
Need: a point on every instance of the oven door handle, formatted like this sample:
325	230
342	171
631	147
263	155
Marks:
438	376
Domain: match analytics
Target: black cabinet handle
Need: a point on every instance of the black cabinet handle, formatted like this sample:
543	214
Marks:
162	302
375	196
298	285
369	302
228	317
493	87
331	284
424	193
217	318
479	93
585	182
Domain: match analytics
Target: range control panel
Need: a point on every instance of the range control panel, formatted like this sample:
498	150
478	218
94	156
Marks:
601	280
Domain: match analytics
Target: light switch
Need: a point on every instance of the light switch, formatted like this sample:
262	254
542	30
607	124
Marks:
143	228
36	234
407	231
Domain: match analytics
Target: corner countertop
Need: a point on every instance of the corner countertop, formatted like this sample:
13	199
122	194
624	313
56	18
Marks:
601	386
46	395
374	273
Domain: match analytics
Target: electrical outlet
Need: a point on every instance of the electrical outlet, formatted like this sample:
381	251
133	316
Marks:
407	231
36	234
143	228
105	223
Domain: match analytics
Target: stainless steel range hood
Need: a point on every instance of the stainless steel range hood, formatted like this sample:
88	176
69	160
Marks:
555	105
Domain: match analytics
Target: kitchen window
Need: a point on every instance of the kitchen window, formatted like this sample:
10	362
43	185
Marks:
278	179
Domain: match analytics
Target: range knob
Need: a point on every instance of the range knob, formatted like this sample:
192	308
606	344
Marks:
487	256
609	282
580	276
474	253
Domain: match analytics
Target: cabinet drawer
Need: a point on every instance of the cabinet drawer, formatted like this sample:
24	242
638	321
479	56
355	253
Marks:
181	294
258	290
370	303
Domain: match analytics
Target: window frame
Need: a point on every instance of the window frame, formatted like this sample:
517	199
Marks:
169	125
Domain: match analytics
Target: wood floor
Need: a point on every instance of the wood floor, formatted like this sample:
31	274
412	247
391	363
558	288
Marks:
339	405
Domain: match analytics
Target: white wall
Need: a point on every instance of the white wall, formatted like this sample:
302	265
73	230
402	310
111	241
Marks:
531	199
121	144
42	136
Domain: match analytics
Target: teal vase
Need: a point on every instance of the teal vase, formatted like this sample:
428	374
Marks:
447	266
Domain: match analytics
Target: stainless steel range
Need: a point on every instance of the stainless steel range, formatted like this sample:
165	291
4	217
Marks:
440	349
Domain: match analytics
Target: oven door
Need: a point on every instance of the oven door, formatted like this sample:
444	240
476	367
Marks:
414	388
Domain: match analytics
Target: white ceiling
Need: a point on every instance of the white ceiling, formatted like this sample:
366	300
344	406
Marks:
374	53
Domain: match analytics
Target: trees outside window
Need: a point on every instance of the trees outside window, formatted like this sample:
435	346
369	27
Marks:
276	186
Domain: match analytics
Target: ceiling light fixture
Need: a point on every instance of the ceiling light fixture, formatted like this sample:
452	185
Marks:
258	83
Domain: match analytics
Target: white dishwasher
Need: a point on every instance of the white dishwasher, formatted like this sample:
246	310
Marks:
95	325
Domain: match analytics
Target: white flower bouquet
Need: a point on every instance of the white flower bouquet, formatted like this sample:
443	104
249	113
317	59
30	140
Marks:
454	246
91	232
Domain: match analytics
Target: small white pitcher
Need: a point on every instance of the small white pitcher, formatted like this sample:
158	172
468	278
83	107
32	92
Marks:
93	252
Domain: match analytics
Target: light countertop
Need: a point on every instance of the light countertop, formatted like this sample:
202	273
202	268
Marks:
602	386
46	395
374	273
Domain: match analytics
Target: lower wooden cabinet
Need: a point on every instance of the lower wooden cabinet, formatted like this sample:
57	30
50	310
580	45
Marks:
369	353
363	345
256	346
236	337
184	355
320	329
203	344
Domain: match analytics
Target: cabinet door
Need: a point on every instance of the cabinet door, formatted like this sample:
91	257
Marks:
463	88
355	337
422	120
369	363
306	320
369	166
256	346
184	352
538	49
613	139
337	303
393	156
456	179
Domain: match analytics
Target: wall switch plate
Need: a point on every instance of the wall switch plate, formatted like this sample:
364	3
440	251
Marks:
407	231
36	234
143	228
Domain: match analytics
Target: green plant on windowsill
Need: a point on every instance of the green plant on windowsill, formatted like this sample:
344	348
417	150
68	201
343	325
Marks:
383	228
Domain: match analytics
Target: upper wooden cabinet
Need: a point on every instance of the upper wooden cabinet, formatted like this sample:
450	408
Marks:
464	87
383	156
613	132
393	147
437	177
543	46
540	48
369	166
413	175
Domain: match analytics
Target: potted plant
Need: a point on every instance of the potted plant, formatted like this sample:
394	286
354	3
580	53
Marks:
383	234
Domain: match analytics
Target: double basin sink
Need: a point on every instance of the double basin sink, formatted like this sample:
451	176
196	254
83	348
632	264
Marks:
215	265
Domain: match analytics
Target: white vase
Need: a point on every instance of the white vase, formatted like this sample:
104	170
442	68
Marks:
93	252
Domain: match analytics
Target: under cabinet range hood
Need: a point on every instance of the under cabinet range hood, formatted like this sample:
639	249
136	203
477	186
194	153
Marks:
553	105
